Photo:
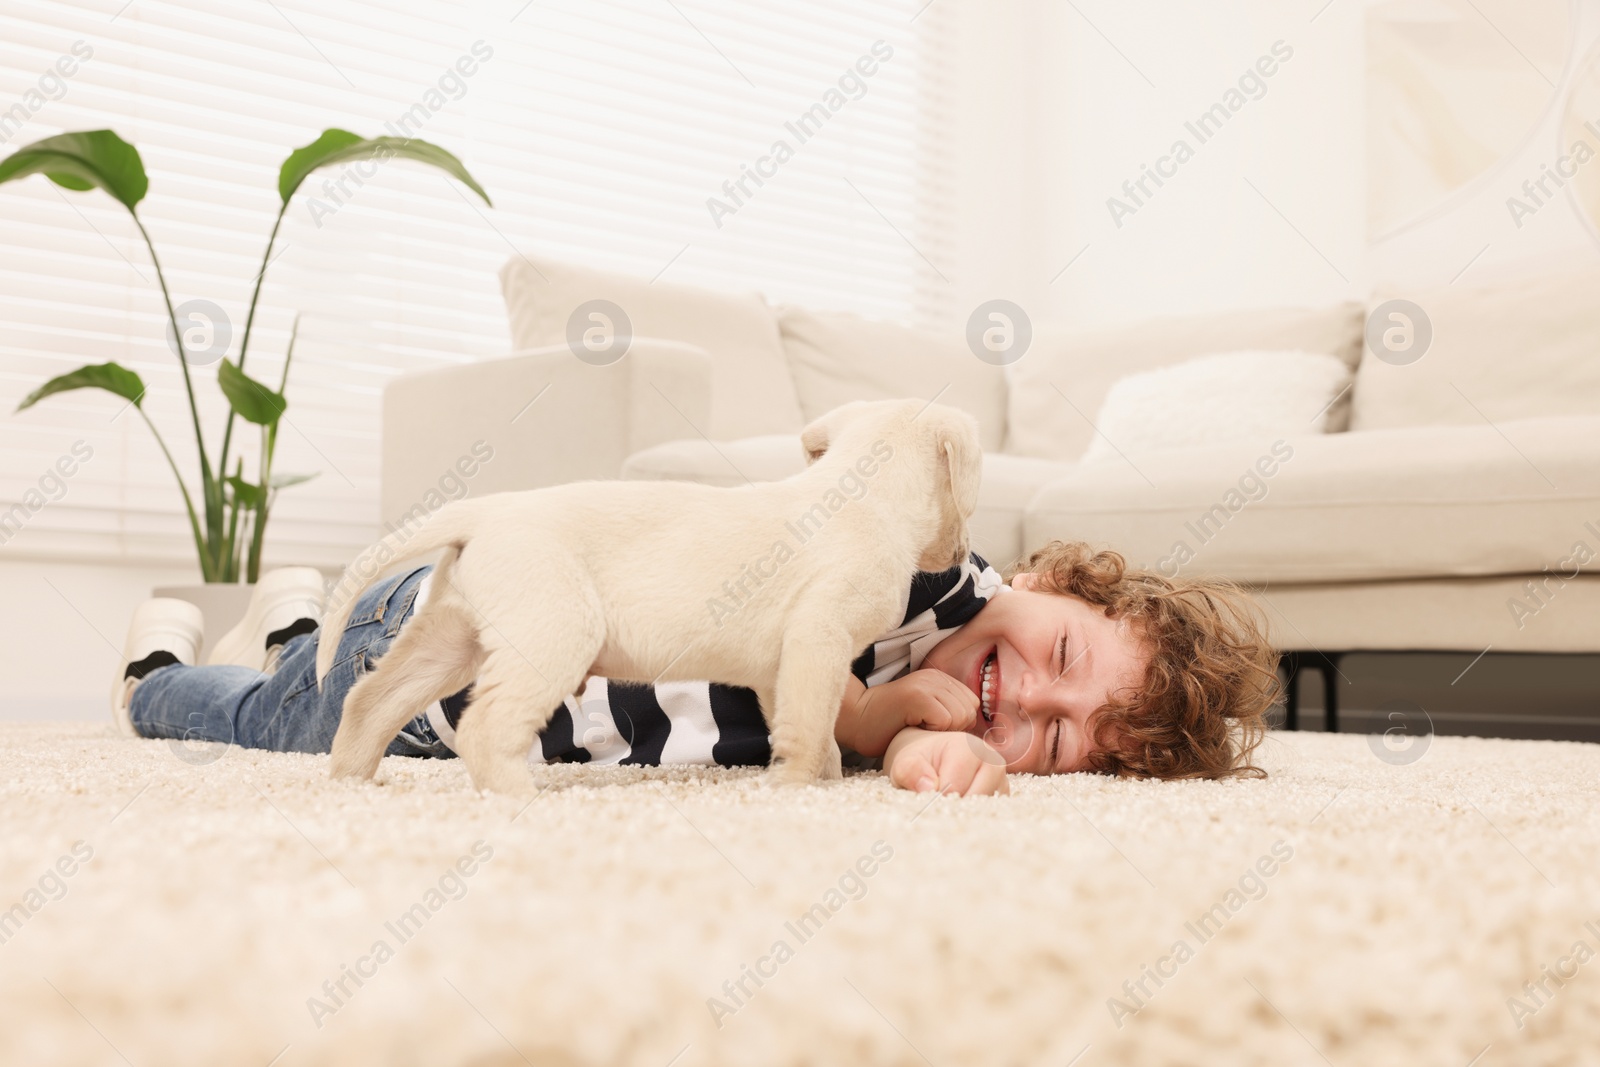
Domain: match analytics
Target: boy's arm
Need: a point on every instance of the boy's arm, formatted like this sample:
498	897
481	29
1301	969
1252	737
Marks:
927	760
847	727
870	718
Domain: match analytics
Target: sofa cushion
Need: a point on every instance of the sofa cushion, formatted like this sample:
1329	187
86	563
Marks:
1231	396
836	357
1514	351
1385	504
1009	482
751	392
546	417
1058	386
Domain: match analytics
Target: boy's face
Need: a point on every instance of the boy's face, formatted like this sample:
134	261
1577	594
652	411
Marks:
1051	661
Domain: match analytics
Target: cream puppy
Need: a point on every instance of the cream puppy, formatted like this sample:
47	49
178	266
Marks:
774	586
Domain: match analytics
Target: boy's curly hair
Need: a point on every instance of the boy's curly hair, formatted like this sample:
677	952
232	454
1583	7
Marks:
1201	710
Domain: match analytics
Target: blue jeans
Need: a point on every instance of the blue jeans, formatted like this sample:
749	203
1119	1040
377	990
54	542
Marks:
285	711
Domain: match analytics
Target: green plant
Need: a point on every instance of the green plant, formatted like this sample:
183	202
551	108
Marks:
232	519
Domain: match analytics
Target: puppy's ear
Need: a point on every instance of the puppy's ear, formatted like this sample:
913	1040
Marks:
819	436
951	440
814	439
962	458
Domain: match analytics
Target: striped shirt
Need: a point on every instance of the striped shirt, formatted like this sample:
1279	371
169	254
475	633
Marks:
712	724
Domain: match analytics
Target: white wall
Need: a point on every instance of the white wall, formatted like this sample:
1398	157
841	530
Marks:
1060	108
1064	103
1001	185
1474	238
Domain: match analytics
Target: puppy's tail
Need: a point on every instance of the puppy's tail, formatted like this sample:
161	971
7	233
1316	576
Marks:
449	528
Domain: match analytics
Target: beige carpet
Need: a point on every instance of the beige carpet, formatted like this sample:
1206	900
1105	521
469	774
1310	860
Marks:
596	926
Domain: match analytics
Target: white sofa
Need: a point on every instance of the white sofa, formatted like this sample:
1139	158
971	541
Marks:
1453	482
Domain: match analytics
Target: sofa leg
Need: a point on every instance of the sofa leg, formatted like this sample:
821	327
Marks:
1330	690
1293	663
1290	661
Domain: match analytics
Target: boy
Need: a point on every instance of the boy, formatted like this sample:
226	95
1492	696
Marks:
1078	664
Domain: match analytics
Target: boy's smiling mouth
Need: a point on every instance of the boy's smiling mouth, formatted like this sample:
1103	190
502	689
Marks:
988	684
1006	728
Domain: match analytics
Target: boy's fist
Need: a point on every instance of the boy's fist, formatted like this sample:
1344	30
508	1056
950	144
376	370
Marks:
927	698
924	761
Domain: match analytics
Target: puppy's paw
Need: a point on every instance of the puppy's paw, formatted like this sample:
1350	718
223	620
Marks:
343	766
832	764
783	773
515	788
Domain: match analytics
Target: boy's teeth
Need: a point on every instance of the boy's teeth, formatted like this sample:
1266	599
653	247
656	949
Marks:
986	686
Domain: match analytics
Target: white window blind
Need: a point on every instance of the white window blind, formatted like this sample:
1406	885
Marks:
604	132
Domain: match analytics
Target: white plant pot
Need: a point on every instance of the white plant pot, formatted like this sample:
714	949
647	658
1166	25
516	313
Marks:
222	605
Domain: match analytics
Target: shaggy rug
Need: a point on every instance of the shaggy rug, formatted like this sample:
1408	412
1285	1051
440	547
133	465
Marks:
1363	907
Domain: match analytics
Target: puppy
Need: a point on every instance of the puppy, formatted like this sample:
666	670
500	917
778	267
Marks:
775	586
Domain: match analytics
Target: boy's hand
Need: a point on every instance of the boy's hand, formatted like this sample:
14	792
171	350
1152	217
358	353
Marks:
927	698
924	761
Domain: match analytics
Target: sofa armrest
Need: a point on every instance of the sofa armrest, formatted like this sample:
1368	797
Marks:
540	417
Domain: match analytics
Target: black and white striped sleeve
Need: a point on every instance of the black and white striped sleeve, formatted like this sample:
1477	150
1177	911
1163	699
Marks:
939	604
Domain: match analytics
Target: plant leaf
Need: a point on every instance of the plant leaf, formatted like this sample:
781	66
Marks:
246	493
283	481
251	400
342	146
81	161
112	377
302	161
